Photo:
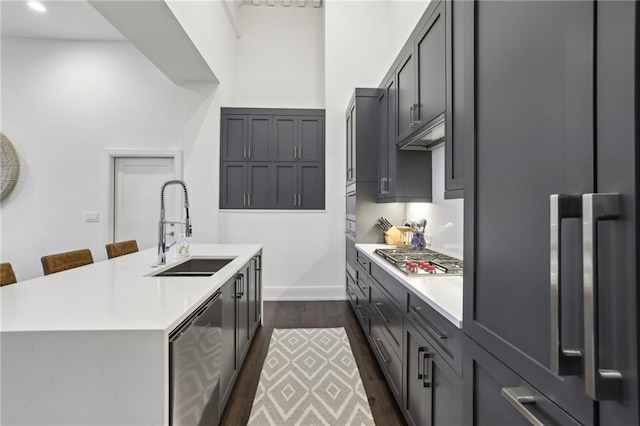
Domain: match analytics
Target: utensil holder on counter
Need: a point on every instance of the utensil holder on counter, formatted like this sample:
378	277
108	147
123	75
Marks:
399	236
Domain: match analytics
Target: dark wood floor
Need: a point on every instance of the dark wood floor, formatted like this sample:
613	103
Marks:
302	315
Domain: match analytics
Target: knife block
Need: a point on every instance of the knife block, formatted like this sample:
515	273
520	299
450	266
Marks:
399	236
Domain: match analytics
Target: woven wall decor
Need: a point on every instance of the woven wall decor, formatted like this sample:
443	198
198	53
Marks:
9	166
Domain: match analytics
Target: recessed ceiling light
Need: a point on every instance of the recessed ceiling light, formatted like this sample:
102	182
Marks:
37	6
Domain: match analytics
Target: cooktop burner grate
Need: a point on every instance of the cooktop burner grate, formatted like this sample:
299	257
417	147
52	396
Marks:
422	261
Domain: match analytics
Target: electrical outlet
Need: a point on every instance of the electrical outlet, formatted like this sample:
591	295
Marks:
91	217
427	240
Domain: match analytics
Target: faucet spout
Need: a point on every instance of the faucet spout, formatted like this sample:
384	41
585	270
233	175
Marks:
162	240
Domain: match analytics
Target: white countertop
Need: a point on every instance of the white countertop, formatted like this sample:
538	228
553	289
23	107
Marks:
442	292
116	294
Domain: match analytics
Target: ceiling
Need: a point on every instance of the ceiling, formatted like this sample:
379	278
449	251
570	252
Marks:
63	20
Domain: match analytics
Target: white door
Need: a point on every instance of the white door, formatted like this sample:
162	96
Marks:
137	185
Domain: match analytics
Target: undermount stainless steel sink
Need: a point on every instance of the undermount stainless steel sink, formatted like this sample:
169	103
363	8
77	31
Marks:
197	267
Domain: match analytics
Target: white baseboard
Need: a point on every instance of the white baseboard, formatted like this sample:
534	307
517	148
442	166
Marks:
303	293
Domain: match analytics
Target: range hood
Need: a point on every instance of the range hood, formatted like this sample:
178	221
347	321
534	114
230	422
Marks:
432	135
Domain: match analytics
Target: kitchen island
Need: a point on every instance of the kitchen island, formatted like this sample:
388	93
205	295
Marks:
90	345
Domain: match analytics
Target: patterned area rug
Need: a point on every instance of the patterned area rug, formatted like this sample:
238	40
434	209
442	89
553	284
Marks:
310	378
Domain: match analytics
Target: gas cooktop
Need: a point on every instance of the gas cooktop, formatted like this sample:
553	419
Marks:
421	261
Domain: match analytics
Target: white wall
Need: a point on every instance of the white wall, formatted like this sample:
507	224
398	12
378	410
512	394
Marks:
280	57
63	104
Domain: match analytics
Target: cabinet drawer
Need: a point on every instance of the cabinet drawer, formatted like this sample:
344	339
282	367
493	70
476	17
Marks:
388	316
363	261
362	281
492	384
446	336
396	291
389	362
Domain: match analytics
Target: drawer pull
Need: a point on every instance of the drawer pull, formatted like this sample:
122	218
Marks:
421	349
520	398
426	377
384	318
416	311
362	287
375	343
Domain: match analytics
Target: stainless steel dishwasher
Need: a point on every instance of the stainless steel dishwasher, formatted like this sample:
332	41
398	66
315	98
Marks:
195	349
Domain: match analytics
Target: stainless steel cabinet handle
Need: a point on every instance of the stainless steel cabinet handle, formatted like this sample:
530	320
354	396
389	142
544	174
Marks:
415	311
294	199
519	398
421	349
426	377
384	318
244	152
244	199
249	199
375	343
563	361
299	199
600	384
249	156
411	122
295	153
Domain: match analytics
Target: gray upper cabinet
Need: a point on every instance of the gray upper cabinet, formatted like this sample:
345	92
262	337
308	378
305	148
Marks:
286	185
362	136
310	138
285	135
430	73
403	176
552	87
310	186
234	137
406	98
259	144
278	159
259	189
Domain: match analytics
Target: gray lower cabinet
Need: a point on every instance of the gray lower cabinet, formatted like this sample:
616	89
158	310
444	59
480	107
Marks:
432	391
233	193
418	350
241	315
495	395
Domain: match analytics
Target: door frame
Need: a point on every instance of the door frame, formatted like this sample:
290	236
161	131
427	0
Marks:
111	155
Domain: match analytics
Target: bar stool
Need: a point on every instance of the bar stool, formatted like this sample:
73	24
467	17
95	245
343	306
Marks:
7	276
68	260
121	248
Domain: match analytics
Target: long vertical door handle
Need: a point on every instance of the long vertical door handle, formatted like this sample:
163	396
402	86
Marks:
427	377
244	152
600	384
294	199
249	199
249	151
299	199
421	349
563	361
520	398
244	199
295	152
411	123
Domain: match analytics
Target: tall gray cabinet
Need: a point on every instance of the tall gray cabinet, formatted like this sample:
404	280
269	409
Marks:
551	212
272	158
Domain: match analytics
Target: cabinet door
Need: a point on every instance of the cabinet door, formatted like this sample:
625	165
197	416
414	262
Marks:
229	358
310	139
350	146
490	390
406	103
454	134
242	311
430	60
234	137
383	141
286	184
254	288
259	141
285	135
233	194
310	186
259	185
432	390
533	138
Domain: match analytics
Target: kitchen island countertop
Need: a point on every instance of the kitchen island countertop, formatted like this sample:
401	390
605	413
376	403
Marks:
442	292
117	294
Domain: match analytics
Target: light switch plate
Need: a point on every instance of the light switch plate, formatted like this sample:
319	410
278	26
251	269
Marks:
91	217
